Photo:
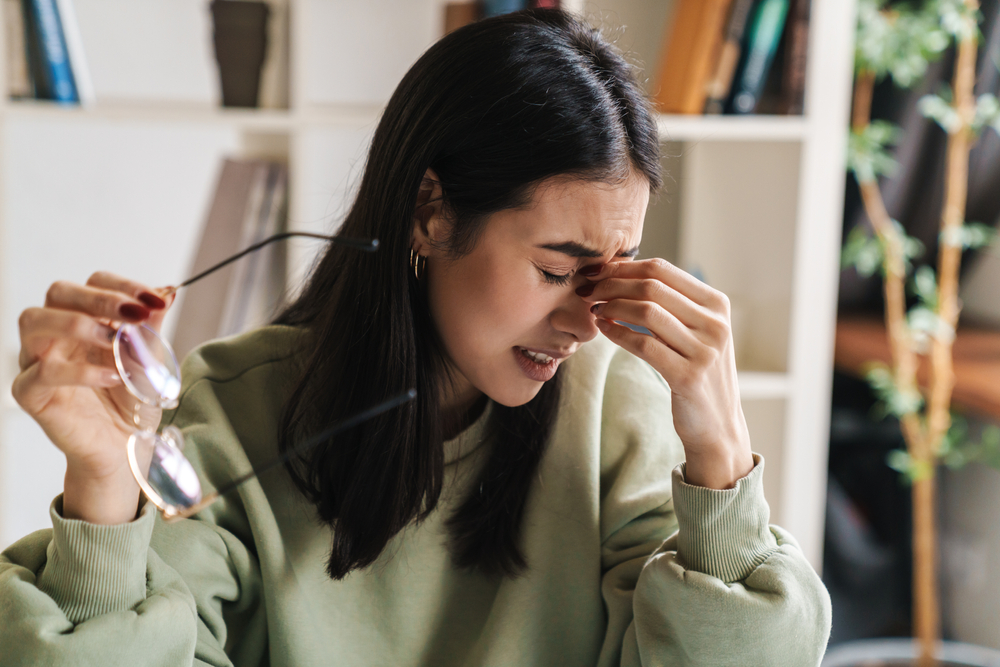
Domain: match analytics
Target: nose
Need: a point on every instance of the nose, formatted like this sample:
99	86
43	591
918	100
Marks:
573	317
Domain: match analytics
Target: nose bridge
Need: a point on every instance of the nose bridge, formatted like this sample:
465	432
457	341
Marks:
573	316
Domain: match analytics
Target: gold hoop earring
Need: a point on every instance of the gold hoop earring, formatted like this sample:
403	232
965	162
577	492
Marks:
418	263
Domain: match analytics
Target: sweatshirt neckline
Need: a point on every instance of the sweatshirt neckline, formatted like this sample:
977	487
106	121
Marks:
468	440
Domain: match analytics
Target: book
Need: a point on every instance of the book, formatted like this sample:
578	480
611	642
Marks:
717	90
458	14
793	87
19	82
497	7
51	72
543	4
763	37
248	202
274	75
690	54
74	50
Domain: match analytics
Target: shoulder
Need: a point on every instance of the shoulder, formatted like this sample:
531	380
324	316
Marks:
240	377
228	359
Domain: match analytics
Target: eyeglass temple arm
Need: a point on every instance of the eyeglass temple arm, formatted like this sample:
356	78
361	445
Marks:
367	246
348	423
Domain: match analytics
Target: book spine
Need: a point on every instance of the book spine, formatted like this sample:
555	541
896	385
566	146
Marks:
690	55
796	52
497	7
18	74
74	50
460	14
762	43
52	48
721	83
544	4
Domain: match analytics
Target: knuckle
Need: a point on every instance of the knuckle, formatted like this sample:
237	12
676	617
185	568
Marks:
56	291
97	278
27	319
649	288
719	302
648	311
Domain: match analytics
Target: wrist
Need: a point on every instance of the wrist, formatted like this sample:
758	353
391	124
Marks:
107	500
719	468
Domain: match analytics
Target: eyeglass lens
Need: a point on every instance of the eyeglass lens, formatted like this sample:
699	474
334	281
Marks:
157	460
147	365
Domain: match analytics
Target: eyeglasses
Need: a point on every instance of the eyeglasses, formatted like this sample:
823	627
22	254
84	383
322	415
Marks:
151	373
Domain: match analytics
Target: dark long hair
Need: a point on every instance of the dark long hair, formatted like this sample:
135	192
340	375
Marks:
494	109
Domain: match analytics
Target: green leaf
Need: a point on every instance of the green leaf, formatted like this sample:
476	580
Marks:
925	286
940	110
912	470
891	400
863	251
867	154
899	42
987	112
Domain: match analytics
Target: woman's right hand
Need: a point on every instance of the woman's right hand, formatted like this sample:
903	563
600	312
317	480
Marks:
69	384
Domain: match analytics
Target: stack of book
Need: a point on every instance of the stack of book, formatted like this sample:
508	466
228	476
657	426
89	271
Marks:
735	56
45	58
457	14
249	205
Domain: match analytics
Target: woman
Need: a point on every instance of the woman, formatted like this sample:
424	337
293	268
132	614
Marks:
520	511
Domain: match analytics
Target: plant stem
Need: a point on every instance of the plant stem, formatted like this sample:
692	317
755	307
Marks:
926	604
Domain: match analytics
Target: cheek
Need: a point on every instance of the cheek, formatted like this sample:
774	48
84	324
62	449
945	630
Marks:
480	304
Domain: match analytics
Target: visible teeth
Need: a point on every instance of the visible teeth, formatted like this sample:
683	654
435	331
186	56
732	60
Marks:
537	357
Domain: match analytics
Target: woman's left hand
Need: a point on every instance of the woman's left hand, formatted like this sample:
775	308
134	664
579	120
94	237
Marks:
692	348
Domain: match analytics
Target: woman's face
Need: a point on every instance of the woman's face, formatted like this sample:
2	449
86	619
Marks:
507	312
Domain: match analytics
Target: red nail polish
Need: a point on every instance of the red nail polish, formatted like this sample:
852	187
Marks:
591	270
131	311
153	301
585	290
596	308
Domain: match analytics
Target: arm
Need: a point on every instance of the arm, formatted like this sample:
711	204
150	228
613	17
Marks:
83	594
693	576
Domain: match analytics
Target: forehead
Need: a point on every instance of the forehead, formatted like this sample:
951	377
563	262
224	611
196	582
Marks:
602	216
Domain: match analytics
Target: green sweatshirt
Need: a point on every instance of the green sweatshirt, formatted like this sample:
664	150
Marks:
628	564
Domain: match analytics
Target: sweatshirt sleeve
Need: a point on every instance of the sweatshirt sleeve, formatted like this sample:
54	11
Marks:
694	577
83	594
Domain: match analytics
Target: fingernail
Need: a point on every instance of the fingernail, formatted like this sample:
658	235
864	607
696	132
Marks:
153	301
585	290
591	270
131	311
596	308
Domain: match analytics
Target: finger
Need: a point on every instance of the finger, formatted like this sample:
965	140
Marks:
99	302
149	297
670	331
664	271
658	354
39	326
647	289
49	374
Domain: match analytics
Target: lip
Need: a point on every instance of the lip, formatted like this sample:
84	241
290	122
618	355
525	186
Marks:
555	354
538	372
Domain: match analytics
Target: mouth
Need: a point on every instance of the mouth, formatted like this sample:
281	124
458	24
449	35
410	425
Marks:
538	365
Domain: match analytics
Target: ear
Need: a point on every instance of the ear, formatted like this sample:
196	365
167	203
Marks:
429	223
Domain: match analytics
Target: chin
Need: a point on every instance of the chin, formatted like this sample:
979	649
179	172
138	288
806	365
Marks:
516	393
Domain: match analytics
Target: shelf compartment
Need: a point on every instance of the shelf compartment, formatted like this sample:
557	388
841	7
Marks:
731	128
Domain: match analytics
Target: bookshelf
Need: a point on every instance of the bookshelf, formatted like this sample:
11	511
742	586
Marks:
753	203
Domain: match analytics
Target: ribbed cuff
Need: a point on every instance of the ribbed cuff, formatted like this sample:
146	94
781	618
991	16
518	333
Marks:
93	569
723	533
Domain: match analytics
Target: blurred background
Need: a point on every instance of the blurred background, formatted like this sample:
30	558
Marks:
192	128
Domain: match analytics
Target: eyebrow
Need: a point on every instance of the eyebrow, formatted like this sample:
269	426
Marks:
574	249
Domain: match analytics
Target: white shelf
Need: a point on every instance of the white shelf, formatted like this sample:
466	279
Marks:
261	120
760	385
731	128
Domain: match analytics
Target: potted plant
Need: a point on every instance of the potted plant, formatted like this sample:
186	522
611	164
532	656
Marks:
898	42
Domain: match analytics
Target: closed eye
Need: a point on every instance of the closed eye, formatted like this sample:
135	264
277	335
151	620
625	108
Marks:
555	278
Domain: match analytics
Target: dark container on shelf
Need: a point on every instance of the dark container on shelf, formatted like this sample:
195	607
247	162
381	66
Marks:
240	38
